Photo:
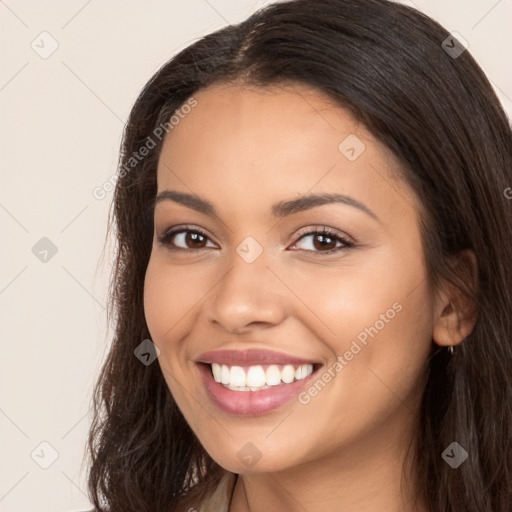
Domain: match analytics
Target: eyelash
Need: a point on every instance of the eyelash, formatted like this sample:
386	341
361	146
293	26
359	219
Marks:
325	231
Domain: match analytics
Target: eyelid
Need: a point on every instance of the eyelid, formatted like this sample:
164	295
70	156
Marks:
346	241
175	230
321	228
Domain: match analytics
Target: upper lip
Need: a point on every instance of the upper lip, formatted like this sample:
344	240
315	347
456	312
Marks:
250	357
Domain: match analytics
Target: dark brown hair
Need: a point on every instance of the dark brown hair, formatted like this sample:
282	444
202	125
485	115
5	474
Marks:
437	112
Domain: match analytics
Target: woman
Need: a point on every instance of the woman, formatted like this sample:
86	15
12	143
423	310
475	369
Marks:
312	285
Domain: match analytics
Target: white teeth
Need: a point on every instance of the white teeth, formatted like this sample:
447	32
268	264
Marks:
237	376
273	375
217	372
256	378
224	375
245	388
288	374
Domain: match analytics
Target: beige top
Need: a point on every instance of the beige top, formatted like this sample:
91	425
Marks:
220	499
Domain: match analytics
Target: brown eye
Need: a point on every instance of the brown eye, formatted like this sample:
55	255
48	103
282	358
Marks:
185	240
195	239
324	242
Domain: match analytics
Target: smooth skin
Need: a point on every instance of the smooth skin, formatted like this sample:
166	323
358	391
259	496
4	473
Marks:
244	149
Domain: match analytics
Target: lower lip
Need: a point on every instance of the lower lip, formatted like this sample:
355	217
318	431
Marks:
249	403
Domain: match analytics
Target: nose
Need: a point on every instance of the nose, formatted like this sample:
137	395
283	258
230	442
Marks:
249	295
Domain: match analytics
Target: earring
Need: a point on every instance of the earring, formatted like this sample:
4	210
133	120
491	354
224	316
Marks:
450	349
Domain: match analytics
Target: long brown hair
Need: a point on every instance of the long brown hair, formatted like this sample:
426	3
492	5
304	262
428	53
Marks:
388	64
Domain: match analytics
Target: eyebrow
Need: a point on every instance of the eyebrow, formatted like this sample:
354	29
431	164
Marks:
279	209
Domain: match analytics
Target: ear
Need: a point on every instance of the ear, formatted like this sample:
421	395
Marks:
455	311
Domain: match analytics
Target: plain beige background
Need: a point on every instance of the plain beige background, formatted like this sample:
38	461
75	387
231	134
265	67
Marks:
62	117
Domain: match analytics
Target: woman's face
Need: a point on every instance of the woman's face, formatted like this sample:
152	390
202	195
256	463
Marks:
260	283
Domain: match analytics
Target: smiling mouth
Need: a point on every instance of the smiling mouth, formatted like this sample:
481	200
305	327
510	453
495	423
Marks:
259	377
243	384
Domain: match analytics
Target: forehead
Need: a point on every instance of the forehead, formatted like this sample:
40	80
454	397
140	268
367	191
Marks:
252	143
246	116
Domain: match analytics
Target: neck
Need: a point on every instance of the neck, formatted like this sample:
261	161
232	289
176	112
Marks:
362	477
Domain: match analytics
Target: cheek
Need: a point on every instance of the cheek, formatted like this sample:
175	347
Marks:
169	295
376	295
377	378
159	303
378	320
168	298
173	296
382	340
